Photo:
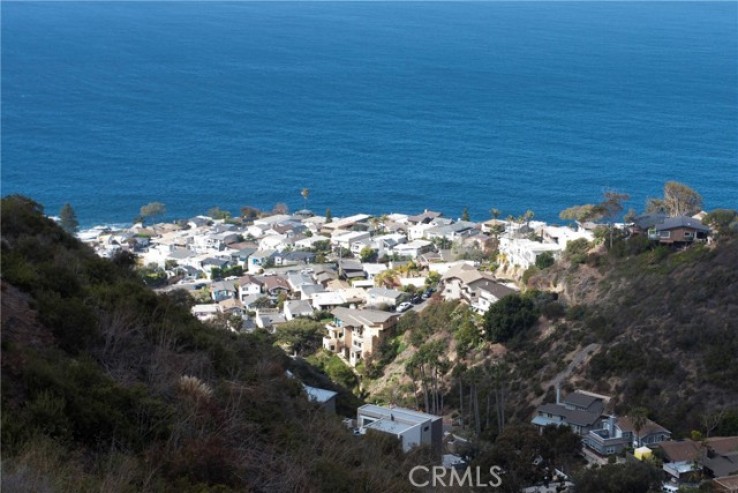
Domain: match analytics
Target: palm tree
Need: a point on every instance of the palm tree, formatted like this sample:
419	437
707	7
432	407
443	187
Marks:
305	194
639	418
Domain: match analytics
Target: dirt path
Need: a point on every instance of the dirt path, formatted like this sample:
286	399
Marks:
578	359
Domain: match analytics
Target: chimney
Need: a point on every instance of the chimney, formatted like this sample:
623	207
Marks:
558	393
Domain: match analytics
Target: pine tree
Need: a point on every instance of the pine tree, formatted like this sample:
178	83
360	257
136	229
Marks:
68	219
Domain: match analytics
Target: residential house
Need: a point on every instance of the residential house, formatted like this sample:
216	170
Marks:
231	306
308	290
412	428
273	241
322	397
210	263
223	290
260	259
643	224
720	457
680	459
270	221
347	239
307	243
383	296
350	269
413	249
297	279
715	457
425	217
617	434
726	484
581	411
326	300
680	229
483	293
198	221
205	312
241	256
456	278
269	319
248	285
275	285
297	308
294	258
355	334
451	232
357	221
523	252
314	224
650	433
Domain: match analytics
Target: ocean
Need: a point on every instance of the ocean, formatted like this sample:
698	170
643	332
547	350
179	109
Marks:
376	107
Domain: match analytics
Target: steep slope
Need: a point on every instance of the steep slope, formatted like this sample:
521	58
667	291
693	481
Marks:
666	320
107	386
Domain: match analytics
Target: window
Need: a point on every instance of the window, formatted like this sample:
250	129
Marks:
688	234
425	428
665	234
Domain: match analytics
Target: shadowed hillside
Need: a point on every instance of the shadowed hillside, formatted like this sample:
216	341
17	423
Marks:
109	387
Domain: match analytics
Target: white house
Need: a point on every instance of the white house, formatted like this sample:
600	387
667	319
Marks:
412	428
523	252
379	296
297	308
413	249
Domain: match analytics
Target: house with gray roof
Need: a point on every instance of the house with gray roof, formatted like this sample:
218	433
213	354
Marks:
581	411
680	229
383	296
412	428
297	308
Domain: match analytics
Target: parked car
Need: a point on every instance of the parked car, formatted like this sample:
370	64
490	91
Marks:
403	307
416	299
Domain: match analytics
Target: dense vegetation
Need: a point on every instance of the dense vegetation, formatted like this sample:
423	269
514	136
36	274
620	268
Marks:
665	318
109	387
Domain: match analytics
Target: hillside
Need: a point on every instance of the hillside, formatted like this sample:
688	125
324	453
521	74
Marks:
650	326
107	386
666	323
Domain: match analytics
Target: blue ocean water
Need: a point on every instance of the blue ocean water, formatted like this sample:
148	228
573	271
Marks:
375	107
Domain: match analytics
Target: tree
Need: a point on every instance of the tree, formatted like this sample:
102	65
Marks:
495	213
218	213
511	315
301	336
465	214
368	254
611	206
68	219
280	208
639	417
529	214
725	221
678	200
152	209
544	260
328	216
579	213
305	194
248	212
631	477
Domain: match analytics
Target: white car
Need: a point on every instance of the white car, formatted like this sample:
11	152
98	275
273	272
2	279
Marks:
404	306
